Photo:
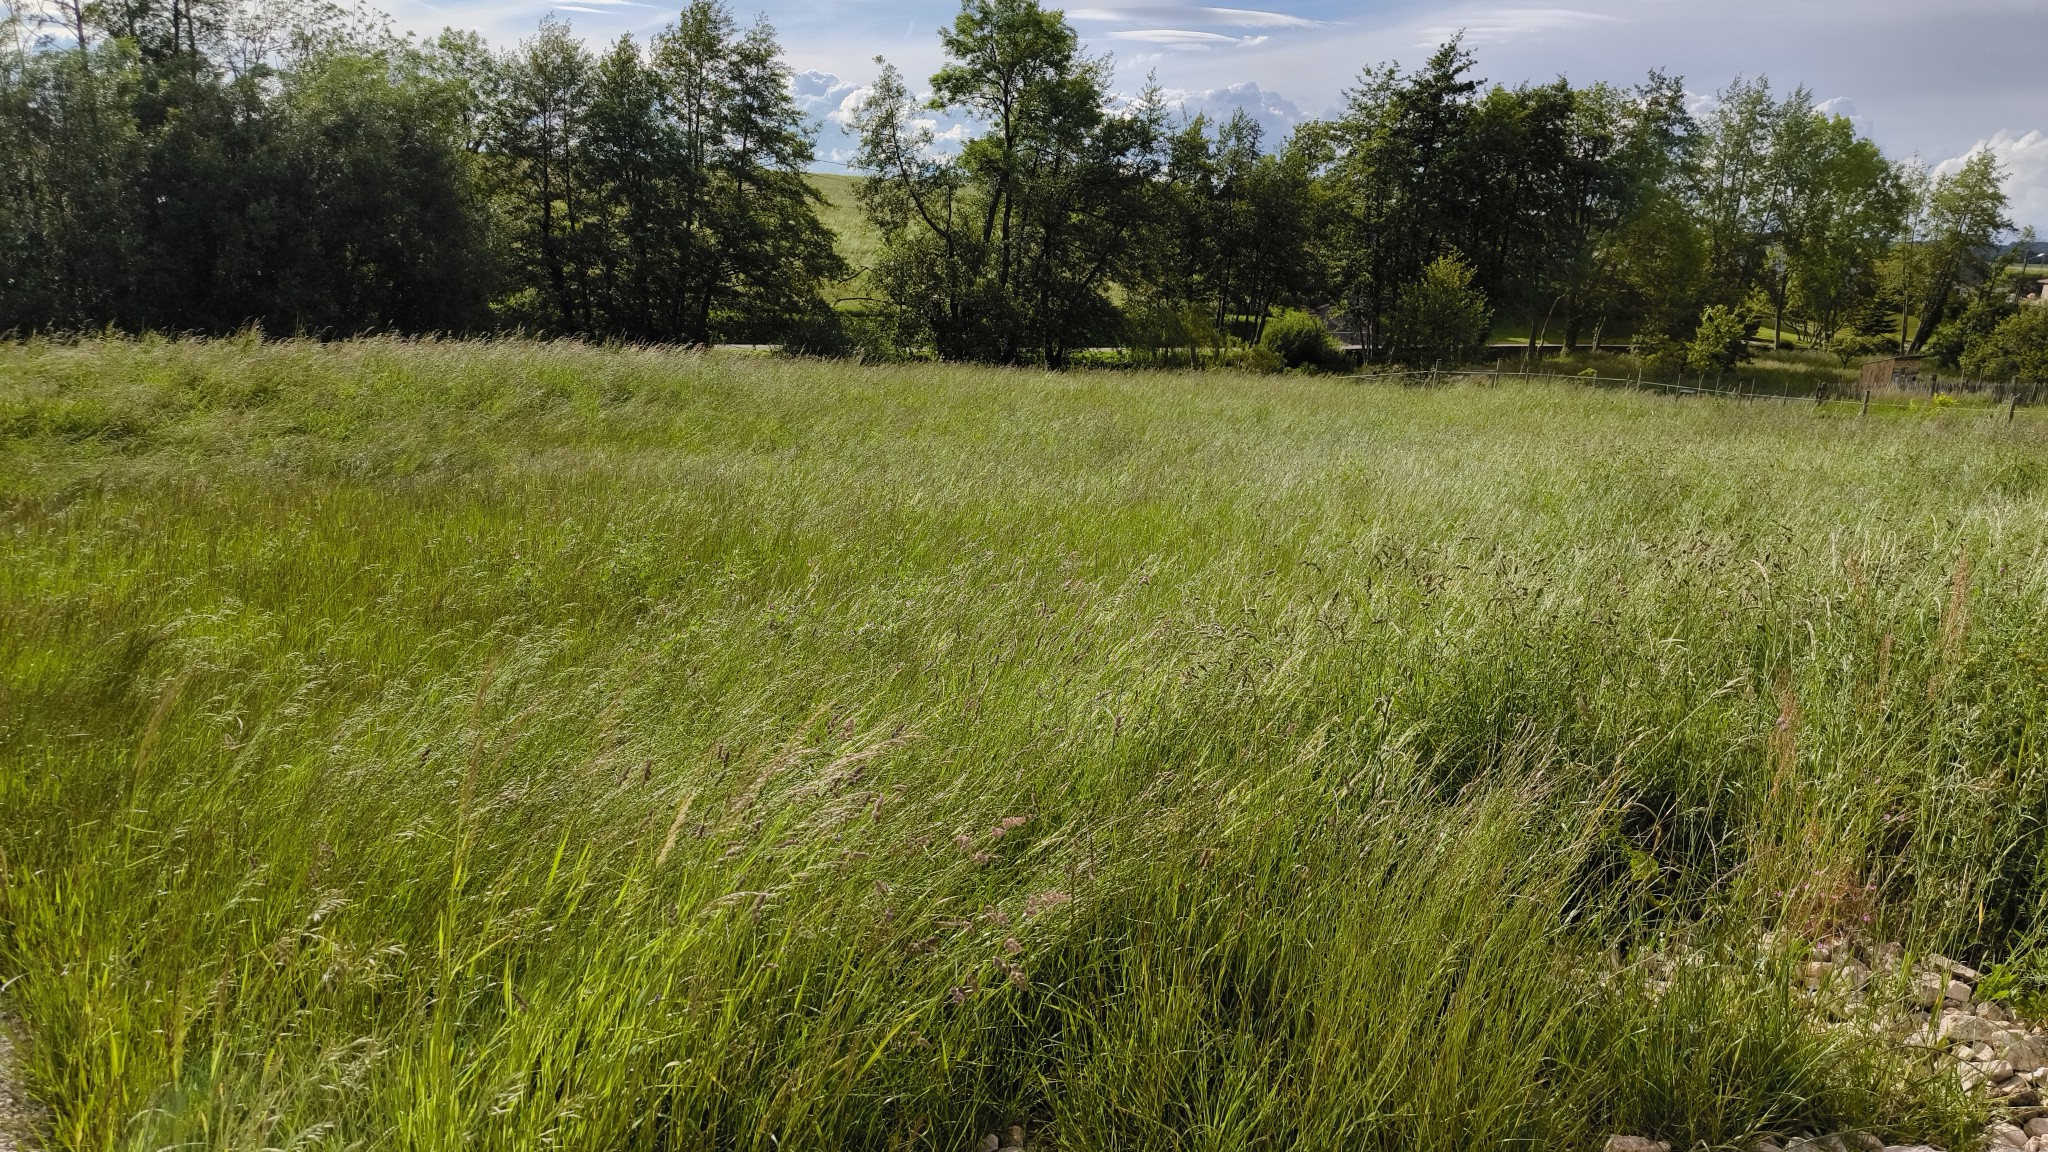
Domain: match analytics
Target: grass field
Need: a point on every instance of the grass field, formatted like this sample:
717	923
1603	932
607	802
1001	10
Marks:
858	242
510	746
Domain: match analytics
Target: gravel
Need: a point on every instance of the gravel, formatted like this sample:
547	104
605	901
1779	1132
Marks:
17	1116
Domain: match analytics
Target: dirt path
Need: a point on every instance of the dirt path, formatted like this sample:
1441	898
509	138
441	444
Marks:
16	1113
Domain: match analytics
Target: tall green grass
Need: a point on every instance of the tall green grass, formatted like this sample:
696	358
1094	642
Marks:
414	745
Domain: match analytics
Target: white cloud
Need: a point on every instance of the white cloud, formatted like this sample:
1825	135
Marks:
824	95
1185	38
1217	17
2025	160
1508	25
834	101
1276	115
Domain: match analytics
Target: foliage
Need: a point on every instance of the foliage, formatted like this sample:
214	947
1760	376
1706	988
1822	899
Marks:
1960	217
1978	319
196	181
2016	350
1720	342
1302	340
1440	316
1007	252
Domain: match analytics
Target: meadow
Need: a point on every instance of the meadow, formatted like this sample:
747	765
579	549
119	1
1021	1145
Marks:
414	745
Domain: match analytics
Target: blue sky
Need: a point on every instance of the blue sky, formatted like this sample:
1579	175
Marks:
1933	77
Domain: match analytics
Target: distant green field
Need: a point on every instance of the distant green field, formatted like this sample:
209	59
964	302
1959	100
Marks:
514	745
859	244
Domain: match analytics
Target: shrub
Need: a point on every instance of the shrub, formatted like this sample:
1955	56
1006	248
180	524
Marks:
1441	316
1301	340
820	332
1978	319
1720	341
2017	349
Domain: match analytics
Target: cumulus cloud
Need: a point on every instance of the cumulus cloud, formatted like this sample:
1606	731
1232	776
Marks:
1275	114
2025	160
833	101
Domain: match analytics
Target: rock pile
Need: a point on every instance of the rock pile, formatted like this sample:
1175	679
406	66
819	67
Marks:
1978	1041
1012	1140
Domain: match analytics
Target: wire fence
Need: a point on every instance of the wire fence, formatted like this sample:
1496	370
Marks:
2006	398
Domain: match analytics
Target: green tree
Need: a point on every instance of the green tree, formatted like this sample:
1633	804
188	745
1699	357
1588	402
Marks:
537	124
1965	214
2016	350
1301	340
1440	315
1838	205
1720	341
1008	251
1230	232
1398	170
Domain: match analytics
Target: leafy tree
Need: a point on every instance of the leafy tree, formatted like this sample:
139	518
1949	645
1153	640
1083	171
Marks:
1732	179
536	134
1397	164
1440	315
1231	232
69	226
1977	320
1965	213
1838	205
2016	350
1721	340
1007	253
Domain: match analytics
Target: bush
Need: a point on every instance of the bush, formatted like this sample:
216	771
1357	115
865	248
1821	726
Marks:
1301	340
1441	316
820	332
1979	319
1721	341
2017	349
1860	346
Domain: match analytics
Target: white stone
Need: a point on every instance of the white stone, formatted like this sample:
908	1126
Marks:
1952	967
2038	1126
2006	1134
1928	988
1636	1144
1963	1027
2024	1051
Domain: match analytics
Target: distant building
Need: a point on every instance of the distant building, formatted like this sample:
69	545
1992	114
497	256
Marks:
1891	370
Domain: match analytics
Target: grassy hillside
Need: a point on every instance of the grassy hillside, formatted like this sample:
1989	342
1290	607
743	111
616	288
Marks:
515	745
858	242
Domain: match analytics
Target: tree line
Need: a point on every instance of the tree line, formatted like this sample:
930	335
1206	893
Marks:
202	165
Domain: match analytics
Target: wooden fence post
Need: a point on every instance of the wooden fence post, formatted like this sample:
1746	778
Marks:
1866	403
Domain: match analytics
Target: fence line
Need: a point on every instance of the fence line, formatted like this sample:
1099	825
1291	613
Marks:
1820	397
